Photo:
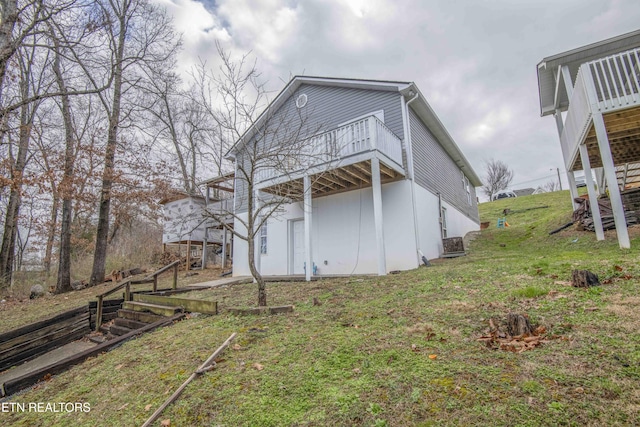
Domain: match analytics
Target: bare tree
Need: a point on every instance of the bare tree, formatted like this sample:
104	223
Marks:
282	143
551	186
136	34
498	177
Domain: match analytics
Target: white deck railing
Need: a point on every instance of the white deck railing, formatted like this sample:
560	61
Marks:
577	120
614	84
616	79
333	147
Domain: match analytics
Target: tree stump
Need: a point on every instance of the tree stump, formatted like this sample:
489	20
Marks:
517	324
584	279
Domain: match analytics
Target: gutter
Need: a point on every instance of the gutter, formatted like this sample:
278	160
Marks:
416	229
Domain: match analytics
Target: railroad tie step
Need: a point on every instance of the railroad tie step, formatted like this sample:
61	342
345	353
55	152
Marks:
128	323
162	310
139	316
119	330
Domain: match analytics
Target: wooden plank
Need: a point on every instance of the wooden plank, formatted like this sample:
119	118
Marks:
106	303
27	380
199	306
139	316
37	325
48	334
162	310
67	337
46	330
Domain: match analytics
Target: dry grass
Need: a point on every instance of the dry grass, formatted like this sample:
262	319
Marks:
400	350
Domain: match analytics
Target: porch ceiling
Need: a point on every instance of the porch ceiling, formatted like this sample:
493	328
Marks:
623	130
345	178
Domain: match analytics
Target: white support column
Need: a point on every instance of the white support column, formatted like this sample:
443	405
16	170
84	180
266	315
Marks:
224	248
593	197
568	83
377	215
610	175
203	260
308	210
600	181
573	190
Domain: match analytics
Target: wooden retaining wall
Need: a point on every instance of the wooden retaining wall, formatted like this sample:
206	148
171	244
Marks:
23	344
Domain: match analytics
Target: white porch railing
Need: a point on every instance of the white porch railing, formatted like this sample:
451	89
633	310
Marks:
616	79
577	119
360	136
614	84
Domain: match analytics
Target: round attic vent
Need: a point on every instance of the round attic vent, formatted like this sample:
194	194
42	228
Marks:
302	100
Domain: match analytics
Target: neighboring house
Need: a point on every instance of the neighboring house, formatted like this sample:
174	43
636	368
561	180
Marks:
188	224
598	88
398	185
524	192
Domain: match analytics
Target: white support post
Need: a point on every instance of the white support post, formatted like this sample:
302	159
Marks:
593	197
224	248
610	174
573	190
601	181
377	215
203	260
568	83
308	210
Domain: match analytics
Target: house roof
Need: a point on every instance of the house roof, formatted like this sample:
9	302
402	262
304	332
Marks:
408	89
524	192
548	67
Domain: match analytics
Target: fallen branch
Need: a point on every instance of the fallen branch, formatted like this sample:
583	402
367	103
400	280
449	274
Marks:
559	229
207	365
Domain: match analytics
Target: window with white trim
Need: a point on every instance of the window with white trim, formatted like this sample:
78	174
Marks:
466	186
263	239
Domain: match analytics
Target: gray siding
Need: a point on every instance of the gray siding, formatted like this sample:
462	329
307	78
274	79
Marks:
436	171
328	107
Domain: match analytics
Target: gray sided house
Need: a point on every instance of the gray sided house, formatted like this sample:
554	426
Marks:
373	180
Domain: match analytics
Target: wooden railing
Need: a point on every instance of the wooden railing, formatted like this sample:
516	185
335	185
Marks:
353	138
126	285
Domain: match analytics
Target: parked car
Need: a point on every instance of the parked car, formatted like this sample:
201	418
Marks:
505	194
581	182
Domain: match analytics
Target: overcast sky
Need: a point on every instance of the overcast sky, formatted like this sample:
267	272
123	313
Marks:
474	60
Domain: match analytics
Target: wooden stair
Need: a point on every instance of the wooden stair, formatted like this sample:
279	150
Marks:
134	315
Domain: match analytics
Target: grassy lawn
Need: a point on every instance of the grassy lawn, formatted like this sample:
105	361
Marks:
399	350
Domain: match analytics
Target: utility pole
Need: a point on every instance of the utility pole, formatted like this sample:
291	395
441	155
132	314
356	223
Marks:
559	180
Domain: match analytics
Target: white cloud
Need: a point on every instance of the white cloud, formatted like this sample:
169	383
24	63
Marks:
473	61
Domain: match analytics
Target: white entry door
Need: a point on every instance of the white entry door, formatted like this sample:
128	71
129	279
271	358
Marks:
297	247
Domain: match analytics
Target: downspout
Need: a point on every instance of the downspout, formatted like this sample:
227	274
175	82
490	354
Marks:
416	229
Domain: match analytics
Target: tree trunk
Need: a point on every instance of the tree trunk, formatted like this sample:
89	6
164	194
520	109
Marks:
102	233
7	251
63	282
517	324
51	232
584	279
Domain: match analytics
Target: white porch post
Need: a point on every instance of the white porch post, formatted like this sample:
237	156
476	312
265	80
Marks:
607	165
308	210
224	248
203	260
377	215
593	197
610	174
573	190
